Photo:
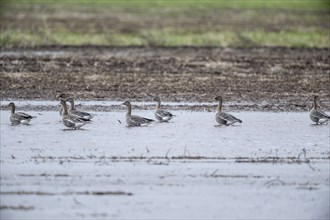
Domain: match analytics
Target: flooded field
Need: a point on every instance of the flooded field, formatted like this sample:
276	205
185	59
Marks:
273	165
267	61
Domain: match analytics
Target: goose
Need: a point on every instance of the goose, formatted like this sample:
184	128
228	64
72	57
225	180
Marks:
79	114
317	115
71	121
160	114
134	120
59	97
17	118
224	118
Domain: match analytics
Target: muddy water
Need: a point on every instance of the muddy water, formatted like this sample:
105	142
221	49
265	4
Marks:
273	164
190	133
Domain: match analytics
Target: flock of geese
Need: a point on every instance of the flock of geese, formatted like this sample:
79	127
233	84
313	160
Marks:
75	119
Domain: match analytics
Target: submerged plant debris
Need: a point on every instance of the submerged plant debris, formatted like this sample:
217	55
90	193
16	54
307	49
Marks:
273	164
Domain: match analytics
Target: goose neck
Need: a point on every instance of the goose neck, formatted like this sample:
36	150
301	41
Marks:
315	104
219	106
72	107
129	110
12	109
65	108
158	105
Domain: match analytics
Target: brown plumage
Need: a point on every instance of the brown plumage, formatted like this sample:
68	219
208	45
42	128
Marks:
18	117
224	118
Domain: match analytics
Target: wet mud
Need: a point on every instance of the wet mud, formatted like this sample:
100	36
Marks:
271	79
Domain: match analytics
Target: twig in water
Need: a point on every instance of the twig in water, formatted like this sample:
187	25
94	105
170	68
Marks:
185	151
274	181
310	166
150	161
214	172
303	152
166	155
76	201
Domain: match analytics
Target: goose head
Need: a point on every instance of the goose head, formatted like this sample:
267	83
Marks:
218	98
12	107
156	99
62	96
126	103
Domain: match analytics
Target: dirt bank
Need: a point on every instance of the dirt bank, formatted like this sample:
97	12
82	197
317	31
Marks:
278	76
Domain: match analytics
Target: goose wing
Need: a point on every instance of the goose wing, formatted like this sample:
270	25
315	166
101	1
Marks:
81	115
163	113
21	116
228	117
138	120
131	122
163	116
319	114
73	121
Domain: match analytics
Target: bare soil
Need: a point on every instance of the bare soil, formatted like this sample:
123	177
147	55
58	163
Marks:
282	78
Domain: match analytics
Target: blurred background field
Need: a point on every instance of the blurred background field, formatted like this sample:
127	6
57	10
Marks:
267	58
247	23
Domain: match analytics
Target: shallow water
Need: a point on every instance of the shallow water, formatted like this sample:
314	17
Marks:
188	168
190	133
37	104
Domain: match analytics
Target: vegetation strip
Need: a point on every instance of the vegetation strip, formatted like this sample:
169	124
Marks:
222	23
20	207
274	159
95	193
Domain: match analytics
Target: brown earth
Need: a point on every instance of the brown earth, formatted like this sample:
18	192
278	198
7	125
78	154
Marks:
279	78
